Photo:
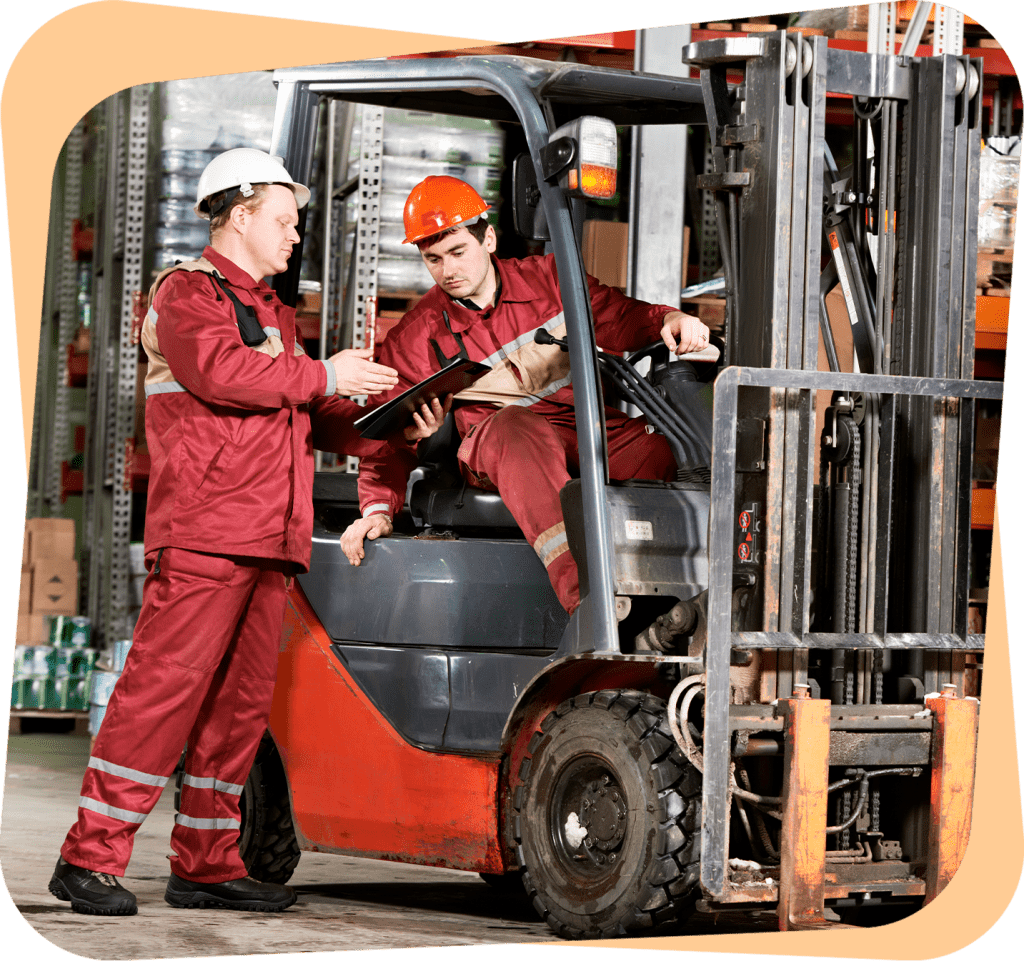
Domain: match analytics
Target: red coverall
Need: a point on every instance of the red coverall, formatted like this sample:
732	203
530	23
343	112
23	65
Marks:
229	517
519	424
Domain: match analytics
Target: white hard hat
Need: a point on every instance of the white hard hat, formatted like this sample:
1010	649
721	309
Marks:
241	168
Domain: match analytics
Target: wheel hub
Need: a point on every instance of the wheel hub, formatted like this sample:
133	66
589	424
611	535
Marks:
603	814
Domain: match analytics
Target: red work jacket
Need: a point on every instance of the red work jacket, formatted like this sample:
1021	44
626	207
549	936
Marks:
523	372
228	427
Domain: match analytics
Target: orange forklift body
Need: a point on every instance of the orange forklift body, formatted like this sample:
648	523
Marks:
356	786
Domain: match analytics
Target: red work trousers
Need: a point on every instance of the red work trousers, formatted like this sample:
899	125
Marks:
527	458
201	669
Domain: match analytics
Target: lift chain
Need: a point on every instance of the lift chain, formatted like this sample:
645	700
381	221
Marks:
853	540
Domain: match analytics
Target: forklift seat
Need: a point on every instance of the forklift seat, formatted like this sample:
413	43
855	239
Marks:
439	496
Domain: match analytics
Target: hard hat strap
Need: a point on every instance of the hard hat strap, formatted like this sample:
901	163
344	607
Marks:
226	196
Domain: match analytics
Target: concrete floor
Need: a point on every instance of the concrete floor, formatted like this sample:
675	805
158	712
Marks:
344	903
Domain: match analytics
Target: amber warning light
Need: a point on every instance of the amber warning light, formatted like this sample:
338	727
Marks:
594	167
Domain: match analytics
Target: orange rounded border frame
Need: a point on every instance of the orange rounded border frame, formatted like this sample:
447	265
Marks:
118	36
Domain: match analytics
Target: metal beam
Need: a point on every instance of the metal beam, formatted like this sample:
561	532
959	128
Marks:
56	442
116	620
954	749
657	182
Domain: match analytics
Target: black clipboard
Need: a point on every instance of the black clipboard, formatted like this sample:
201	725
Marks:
396	414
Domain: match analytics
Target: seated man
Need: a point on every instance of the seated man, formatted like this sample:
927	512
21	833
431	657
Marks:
517	423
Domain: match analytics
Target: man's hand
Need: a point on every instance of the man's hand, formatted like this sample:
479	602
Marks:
428	420
684	334
372	527
358	374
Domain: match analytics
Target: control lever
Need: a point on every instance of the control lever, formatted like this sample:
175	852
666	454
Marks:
709	353
544	337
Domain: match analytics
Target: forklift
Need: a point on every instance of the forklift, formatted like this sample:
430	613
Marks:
768	697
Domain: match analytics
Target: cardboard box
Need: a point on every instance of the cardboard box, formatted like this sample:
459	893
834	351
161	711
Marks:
33	629
54	586
48	537
25	593
605	246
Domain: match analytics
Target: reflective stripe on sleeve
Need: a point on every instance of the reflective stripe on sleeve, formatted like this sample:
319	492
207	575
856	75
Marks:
130	774
207	783
151	316
502	352
272	332
332	378
120	814
377	509
168	387
207	824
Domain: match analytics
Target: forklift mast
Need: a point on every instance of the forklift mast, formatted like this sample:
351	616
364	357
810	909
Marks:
833	585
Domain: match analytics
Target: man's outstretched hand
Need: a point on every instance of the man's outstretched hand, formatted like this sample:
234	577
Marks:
358	374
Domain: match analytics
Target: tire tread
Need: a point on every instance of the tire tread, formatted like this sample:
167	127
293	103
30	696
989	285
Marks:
670	890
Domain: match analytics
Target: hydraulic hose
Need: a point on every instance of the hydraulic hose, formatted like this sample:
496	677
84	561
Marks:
862	799
678	720
658	411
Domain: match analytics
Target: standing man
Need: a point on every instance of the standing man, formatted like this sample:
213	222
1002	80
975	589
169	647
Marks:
518	422
229	520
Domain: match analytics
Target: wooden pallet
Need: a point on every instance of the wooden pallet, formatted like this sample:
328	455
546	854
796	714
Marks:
76	722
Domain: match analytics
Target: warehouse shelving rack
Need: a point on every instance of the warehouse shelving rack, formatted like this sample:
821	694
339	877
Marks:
103	174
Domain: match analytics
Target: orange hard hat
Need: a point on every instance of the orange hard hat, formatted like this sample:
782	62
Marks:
440	203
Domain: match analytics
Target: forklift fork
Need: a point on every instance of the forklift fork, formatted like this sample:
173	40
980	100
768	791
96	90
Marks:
954	748
802	877
804	812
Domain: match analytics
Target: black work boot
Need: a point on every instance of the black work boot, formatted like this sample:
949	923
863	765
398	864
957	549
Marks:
90	892
241	894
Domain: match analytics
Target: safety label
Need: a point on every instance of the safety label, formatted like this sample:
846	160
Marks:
640	530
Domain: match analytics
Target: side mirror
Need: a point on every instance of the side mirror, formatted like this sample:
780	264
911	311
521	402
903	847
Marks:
527	210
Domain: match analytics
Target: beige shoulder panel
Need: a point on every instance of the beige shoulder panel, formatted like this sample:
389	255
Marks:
158	371
202	265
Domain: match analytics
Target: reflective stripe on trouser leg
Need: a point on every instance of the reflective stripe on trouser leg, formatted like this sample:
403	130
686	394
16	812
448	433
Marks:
525	455
189	617
224	739
552	548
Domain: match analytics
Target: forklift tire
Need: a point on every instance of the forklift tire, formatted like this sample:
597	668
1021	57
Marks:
607	818
266	839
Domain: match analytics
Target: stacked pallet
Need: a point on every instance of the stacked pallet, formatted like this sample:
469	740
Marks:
997	214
